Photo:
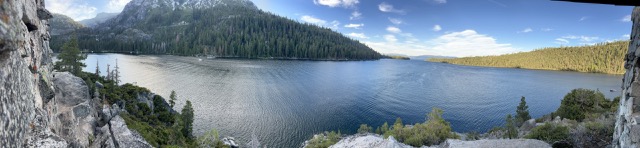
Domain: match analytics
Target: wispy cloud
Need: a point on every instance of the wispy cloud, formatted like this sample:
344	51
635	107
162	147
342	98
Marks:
355	15
497	3
384	7
76	9
526	30
354	26
440	1
584	18
337	3
396	21
394	29
436	28
390	38
546	29
358	35
626	18
320	22
562	41
460	44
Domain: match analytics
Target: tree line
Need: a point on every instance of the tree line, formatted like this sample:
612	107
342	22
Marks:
599	58
231	31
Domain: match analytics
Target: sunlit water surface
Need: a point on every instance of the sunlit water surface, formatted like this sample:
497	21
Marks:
281	103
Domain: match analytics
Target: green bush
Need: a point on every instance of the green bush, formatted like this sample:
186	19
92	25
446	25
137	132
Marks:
549	132
211	139
364	129
324	140
577	104
434	131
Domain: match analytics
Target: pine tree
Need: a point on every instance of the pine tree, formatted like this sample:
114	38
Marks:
71	57
522	112
97	68
172	100
187	118
512	132
116	73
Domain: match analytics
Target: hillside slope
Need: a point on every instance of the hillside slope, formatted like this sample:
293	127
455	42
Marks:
599	58
62	24
222	28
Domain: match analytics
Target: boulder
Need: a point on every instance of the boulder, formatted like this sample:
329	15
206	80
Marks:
495	143
528	125
369	141
75	118
124	137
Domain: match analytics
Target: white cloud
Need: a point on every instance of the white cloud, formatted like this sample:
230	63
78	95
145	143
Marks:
526	30
562	41
459	44
335	25
355	15
313	20
469	43
437	28
440	1
116	5
76	9
626	36
384	7
584	18
626	18
320	22
546	29
395	21
336	3
390	38
358	35
355	26
394	29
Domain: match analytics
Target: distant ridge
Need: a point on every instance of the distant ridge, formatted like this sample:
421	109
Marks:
599	58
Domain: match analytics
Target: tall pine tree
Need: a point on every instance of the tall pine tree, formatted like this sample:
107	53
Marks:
522	112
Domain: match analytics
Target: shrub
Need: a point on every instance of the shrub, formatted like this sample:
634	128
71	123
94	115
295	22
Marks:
434	131
549	132
580	102
324	140
473	135
211	139
364	129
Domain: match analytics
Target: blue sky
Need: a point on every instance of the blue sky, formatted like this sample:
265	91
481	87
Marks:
436	27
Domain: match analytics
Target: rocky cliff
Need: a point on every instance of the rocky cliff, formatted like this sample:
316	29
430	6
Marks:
627	127
41	108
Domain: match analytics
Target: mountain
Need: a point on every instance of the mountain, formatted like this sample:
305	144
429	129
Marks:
222	28
427	57
100	18
62	24
599	58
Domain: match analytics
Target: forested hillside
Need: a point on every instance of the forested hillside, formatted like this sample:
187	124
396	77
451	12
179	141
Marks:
229	30
599	58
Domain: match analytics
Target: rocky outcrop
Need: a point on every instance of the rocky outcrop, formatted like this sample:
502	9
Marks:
39	108
495	143
370	141
24	63
376	141
627	126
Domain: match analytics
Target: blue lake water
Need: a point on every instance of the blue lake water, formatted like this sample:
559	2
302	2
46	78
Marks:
281	103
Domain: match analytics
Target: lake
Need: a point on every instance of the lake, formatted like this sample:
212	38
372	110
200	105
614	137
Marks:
281	103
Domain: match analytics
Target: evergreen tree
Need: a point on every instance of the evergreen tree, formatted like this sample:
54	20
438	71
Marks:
116	73
172	98
512	132
187	118
71	58
522	112
97	68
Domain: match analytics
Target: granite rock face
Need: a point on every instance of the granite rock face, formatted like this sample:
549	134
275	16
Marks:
628	117
24	62
376	141
41	108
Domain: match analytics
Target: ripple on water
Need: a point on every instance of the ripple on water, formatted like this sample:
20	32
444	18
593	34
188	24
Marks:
286	102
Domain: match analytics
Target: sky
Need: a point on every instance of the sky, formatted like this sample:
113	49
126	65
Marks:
459	28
